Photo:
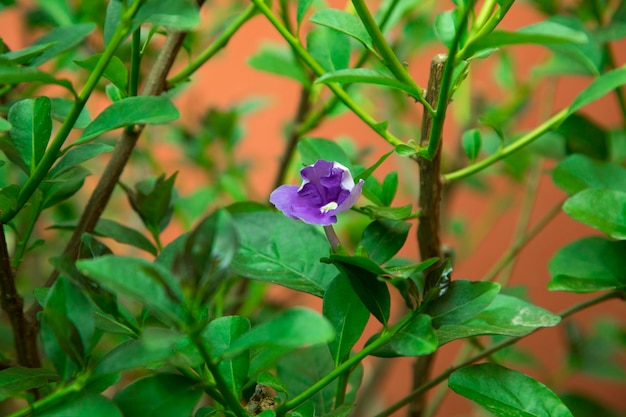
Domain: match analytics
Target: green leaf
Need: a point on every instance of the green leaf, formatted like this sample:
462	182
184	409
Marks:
5	126
588	265
70	315
388	213
505	392
130	111
416	339
26	55
112	19
81	405
445	26
15	75
58	10
31	129
542	33
344	22
115	71
363	276
506	315
18	379
64	38
601	209
139	279
279	61
578	172
153	200
272	381
312	149
345	311
471	141
124	234
390	188
152	348
268	252
600	86
364	175
78	155
63	186
61	109
291	328
302	368
161	394
584	136
219	335
365	76
303	6
180	15
331	49
582	405
462	301
382	239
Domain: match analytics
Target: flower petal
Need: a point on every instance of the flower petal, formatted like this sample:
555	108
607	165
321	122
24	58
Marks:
355	193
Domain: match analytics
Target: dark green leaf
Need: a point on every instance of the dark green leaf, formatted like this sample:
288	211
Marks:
115	71
389	213
582	405
174	14
303	6
161	394
382	239
302	368
601	209
363	276
62	107
278	61
139	279
124	234
364	175
462	301
506	315
19	379
78	155
416	339
130	111
345	311
505	392
268	252
344	22
219	335
584	136
390	187
291	328
63	186
588	265
579	172
65	37
81	405
153	201
16	75
331	49
366	76
272	381
312	149
26	55
471	141
31	129
112	20
153	348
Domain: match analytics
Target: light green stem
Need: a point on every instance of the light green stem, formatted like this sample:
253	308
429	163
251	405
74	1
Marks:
53	398
52	153
383	47
548	125
444	93
215	47
319	71
344	367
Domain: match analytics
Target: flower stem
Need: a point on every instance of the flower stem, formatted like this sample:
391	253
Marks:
332	237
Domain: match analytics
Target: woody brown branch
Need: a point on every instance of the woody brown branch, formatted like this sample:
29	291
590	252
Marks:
429	227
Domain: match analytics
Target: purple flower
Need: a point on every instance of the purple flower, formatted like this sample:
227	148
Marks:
327	189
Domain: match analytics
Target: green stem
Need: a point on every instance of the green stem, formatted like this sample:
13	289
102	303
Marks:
383	47
23	243
222	386
51	155
215	47
493	349
485	13
344	367
135	63
548	125
444	93
60	393
319	71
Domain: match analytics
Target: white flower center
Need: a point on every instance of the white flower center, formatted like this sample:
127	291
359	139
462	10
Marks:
328	207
